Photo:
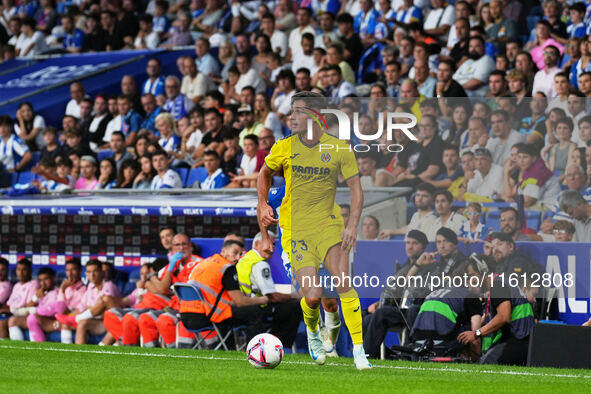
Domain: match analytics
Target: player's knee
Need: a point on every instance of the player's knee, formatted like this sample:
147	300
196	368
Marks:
330	304
313	302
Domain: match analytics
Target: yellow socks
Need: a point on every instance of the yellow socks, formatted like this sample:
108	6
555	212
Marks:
311	315
351	309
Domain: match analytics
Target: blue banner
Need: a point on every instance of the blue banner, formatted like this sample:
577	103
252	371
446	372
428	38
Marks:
46	83
59	70
379	258
156	210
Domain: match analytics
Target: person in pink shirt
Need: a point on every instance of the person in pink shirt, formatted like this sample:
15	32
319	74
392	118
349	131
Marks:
5	286
543	39
46	294
87	180
21	296
87	317
69	297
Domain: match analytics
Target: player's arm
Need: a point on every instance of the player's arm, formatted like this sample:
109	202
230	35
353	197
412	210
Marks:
264	211
349	236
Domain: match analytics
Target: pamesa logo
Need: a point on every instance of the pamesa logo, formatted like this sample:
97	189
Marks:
391	123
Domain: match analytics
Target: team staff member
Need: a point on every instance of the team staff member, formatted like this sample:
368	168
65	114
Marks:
122	323
509	321
447	312
313	229
217	278
163	323
254	277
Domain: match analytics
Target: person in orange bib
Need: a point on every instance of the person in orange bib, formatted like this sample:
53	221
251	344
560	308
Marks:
162	323
224	301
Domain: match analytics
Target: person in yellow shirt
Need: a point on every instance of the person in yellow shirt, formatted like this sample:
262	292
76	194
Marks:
310	220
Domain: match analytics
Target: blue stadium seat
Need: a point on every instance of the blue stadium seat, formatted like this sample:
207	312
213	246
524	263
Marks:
34	161
104	154
533	219
493	220
548	214
531	21
128	288
182	173
278	181
134	275
196	174
13	178
25	177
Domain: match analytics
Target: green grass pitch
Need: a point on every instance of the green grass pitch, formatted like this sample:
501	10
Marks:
50	367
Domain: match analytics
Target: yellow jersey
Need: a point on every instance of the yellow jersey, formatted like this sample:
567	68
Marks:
311	176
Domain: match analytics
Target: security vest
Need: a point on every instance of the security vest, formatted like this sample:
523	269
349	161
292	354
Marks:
520	324
207	276
183	276
440	310
244	268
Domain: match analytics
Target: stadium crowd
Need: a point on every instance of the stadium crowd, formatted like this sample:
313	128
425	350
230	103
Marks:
500	91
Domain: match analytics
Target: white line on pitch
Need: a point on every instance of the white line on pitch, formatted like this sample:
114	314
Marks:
401	367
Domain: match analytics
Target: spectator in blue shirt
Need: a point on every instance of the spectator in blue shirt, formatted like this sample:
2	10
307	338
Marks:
206	63
73	37
131	120
160	23
216	179
152	110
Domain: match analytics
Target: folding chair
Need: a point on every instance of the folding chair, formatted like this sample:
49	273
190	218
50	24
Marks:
191	292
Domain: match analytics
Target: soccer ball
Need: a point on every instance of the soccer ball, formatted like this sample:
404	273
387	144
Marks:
264	351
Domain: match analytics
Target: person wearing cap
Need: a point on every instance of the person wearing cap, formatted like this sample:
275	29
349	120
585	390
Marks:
504	137
388	312
487	178
248	122
435	321
536	182
451	262
507	259
445	216
508	322
87	179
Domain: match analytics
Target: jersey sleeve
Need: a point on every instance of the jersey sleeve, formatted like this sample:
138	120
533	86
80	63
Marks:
276	197
262	278
348	164
472	306
278	154
230	279
499	293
